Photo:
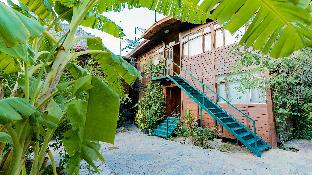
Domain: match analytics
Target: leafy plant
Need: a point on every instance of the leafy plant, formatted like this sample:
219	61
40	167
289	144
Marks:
182	130
44	99
151	107
189	128
154	69
290	82
201	136
275	27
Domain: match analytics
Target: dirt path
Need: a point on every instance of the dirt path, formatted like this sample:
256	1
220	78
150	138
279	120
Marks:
137	154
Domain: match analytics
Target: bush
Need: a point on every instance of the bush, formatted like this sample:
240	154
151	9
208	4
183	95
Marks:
186	127
201	136
151	109
182	130
290	82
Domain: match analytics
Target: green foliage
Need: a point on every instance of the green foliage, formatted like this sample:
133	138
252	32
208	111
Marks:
125	110
151	107
103	24
182	130
14	109
276	27
8	64
290	81
201	136
153	69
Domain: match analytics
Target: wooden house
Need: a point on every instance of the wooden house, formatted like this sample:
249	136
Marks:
202	56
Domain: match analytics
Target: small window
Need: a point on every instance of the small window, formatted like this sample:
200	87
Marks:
196	46
185	50
219	40
236	96
257	96
208	45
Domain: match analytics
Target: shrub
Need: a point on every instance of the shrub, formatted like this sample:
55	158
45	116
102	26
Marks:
290	81
186	127
151	109
182	130
201	136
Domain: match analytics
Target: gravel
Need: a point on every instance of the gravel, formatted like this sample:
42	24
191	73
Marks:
137	154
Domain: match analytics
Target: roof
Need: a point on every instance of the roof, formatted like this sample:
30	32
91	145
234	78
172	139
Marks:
157	32
156	27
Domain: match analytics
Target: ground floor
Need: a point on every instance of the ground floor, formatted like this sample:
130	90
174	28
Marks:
136	154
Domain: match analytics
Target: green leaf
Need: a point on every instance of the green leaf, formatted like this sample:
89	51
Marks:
72	142
5	138
8	64
184	10
72	165
103	109
42	8
83	83
76	71
89	155
66	13
15	30
76	113
276	27
111	63
13	109
100	22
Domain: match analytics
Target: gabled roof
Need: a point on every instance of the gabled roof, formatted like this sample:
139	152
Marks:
157	32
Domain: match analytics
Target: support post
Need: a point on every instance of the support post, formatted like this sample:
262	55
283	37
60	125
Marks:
201	117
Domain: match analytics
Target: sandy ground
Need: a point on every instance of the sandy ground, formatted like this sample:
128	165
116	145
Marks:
137	154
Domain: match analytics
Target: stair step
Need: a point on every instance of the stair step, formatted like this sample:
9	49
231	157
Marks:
219	113
237	128
229	123
262	148
227	119
164	125
260	143
251	141
158	132
245	134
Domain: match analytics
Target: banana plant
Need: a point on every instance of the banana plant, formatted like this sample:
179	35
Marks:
41	99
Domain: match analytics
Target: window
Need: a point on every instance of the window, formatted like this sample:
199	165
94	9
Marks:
230	91
196	46
219	39
208	41
185	50
236	96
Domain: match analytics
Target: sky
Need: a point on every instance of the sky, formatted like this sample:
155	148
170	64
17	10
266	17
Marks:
127	20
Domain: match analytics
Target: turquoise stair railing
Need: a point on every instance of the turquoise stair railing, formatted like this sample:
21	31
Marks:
195	88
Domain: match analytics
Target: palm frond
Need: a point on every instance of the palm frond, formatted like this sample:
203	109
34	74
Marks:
276	27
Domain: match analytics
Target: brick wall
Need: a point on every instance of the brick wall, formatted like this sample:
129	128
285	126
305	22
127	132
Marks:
206	67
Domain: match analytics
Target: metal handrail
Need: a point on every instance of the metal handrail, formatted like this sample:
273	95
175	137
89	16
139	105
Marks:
207	87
